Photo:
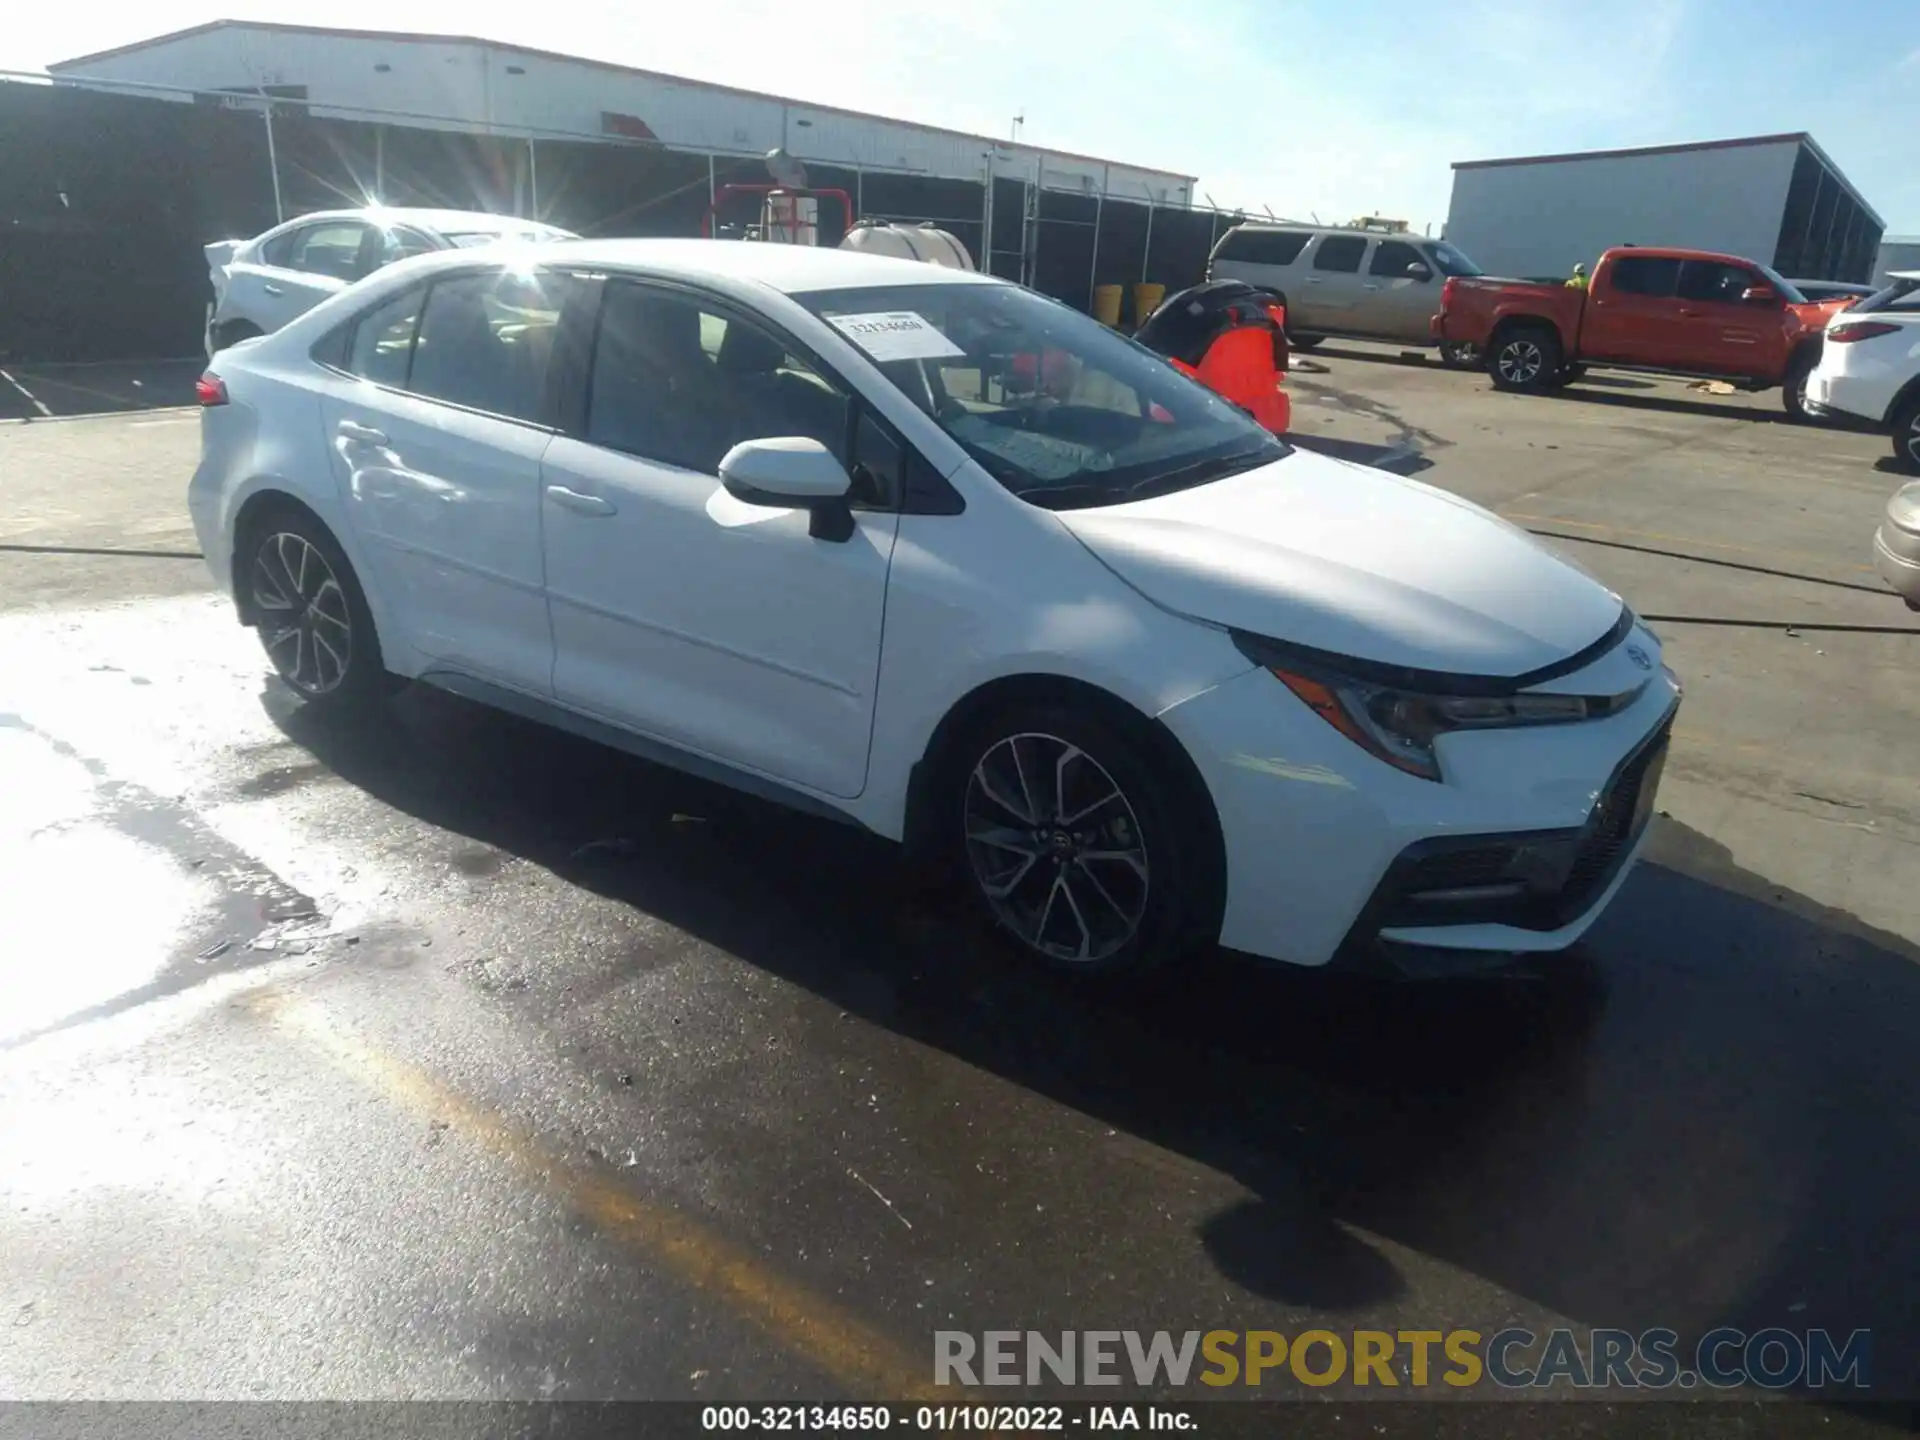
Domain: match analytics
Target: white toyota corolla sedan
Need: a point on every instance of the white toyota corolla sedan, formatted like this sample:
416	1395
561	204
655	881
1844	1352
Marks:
927	552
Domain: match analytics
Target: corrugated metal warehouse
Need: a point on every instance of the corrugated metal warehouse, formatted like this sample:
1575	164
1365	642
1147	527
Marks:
1777	199
452	81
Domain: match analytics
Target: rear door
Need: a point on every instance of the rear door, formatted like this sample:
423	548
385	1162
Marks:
296	270
1330	291
1723	333
1633	313
437	438
1399	293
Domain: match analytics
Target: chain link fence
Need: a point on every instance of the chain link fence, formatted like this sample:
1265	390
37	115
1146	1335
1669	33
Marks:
107	196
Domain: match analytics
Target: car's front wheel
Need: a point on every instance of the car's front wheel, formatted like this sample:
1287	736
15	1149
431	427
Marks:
1906	436
307	606
1793	387
1076	841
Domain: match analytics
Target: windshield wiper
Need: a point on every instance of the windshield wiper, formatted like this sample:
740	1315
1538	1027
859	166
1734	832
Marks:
1199	473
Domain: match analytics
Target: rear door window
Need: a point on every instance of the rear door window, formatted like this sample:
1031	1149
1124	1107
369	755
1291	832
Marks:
1650	275
332	249
1264	247
1391	259
1340	254
483	342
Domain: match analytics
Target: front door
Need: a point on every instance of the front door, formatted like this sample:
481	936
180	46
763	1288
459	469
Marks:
1723	334
438	442
678	611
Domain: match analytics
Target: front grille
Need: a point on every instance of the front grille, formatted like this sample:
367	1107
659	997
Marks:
1533	881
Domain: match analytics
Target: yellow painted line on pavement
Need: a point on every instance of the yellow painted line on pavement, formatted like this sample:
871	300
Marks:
1523	517
869	1363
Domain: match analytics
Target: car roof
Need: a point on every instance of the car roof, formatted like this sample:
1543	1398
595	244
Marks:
790	269
1324	229
443	221
1903	274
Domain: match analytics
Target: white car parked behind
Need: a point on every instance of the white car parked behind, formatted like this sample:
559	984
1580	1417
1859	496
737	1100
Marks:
924	551
262	283
1870	365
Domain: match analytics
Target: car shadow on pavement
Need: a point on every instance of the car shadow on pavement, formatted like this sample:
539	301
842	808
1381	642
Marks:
1707	1114
1684	404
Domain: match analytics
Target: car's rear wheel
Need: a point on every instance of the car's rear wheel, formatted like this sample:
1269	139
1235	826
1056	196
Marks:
1906	436
1305	342
310	612
1793	385
1075	840
1526	358
1459	354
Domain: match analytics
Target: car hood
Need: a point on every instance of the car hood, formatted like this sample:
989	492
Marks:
1357	562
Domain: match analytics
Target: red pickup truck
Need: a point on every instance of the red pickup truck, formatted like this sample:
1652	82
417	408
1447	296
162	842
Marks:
1679	312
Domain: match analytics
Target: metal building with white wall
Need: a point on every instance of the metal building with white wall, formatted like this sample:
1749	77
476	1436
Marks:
449	81
1777	199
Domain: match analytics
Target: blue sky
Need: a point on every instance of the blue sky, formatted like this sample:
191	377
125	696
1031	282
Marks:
1328	107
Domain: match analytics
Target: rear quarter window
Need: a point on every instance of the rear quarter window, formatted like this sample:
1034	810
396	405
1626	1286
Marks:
1263	247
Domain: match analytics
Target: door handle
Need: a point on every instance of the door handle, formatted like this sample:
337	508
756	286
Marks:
366	434
575	501
1687	314
1371	286
271	288
1313	279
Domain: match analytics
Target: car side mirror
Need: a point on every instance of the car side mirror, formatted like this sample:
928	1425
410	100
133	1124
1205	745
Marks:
792	472
1417	271
1759	295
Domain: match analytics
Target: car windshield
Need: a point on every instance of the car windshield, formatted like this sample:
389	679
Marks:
1450	261
1900	295
1789	292
1055	406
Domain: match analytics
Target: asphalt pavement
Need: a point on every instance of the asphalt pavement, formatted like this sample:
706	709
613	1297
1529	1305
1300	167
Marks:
446	1057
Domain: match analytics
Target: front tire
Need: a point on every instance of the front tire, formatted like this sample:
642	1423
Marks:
1526	359
1076	842
1793	386
309	611
1906	436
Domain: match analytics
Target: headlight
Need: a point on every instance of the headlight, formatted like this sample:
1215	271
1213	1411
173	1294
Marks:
1399	726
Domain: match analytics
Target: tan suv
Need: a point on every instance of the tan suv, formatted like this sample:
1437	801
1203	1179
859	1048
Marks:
1370	284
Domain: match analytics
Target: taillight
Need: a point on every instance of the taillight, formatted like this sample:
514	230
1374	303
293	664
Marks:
1860	330
210	389
1446	292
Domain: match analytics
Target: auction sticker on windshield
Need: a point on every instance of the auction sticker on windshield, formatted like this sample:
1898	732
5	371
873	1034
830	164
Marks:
896	335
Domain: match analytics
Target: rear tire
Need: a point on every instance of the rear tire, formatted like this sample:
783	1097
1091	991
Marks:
1306	342
1906	436
1459	354
309	611
1077	840
1525	359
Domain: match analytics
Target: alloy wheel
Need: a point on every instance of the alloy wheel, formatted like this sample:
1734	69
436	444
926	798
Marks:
1056	848
1520	361
1911	440
304	620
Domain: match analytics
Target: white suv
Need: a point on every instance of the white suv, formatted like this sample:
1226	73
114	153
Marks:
1870	365
928	553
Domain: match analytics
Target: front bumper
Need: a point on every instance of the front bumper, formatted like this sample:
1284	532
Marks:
1896	547
1520	848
